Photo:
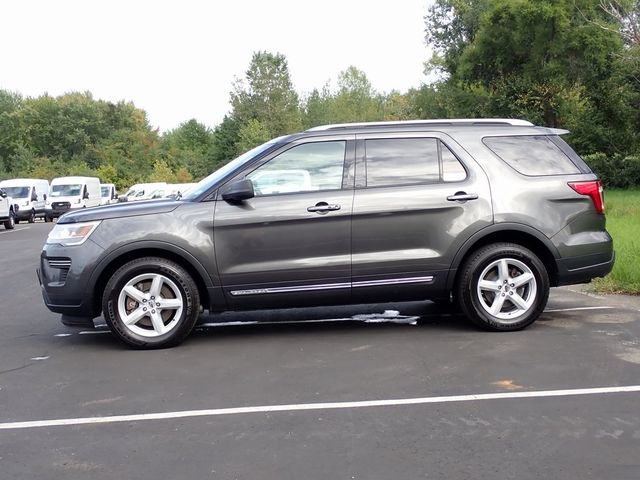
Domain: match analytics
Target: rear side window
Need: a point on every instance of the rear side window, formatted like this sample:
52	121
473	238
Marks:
535	155
410	161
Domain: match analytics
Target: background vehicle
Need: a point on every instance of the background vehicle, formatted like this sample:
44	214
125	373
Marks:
71	193
141	191
171	190
8	210
30	194
491	213
108	194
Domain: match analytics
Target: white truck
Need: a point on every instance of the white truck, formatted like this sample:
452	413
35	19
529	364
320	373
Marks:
30	194
71	193
108	194
7	210
141	191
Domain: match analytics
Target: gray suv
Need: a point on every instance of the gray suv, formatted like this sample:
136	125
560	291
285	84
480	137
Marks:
489	213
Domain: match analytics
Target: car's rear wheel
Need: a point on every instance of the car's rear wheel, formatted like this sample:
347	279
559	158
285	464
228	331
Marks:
503	287
151	302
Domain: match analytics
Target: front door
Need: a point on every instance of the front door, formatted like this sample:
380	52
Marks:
290	245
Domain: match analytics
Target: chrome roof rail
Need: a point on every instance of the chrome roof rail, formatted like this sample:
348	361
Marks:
441	122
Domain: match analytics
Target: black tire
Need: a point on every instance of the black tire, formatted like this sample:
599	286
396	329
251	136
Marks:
179	283
32	217
48	219
476	302
10	223
16	221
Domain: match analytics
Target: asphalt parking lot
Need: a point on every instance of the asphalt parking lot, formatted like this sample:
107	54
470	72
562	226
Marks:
357	394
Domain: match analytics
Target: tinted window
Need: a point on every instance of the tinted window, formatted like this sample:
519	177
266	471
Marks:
303	168
409	161
532	155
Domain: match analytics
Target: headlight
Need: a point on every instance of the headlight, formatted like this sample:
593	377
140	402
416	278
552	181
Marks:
26	204
72	233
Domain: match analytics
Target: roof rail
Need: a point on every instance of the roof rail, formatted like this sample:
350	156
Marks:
410	123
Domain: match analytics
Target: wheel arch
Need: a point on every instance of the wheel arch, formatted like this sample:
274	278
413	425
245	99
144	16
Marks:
107	267
520	234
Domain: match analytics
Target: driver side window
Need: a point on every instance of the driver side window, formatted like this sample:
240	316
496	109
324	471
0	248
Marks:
304	168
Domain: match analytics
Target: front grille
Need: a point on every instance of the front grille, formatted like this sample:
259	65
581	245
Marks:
61	205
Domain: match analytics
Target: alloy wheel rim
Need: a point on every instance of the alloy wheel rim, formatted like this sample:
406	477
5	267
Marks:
150	305
507	289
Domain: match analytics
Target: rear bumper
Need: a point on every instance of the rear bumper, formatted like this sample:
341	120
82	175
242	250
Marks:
585	268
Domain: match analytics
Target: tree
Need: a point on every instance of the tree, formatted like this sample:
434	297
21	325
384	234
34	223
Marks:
162	173
543	60
266	94
189	146
356	100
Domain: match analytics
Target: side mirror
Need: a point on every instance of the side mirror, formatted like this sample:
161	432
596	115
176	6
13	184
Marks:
238	191
34	197
85	196
115	196
3	194
45	197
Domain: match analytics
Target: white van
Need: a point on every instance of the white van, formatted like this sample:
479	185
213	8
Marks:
30	194
171	190
71	193
108	194
142	191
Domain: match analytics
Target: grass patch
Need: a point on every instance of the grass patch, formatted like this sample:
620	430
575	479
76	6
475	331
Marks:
623	223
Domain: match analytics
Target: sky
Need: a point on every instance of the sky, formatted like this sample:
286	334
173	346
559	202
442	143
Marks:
177	60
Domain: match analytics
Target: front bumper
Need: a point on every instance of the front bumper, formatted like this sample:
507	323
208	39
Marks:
65	279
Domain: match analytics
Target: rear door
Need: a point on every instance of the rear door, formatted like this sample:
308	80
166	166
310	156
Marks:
290	245
418	197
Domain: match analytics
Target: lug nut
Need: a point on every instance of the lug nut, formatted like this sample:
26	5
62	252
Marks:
153	311
144	300
503	294
144	309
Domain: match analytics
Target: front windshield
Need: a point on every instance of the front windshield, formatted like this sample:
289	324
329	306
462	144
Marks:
65	190
207	182
130	193
104	191
17	192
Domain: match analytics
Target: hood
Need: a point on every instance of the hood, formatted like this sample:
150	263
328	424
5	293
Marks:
119	210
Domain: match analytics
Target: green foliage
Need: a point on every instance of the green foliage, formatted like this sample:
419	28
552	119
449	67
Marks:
162	173
190	147
266	95
252	134
559	63
616	171
623	223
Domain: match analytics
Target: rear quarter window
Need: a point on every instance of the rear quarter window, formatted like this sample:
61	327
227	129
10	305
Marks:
532	155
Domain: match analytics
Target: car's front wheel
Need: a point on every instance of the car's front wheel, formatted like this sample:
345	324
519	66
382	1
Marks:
503	287
151	302
10	223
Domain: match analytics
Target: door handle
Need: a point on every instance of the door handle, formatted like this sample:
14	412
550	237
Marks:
323	207
462	197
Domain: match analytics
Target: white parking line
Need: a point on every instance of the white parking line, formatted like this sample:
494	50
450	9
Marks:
577	309
316	406
15	230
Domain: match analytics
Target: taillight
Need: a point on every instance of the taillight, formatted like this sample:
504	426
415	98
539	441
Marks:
593	189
